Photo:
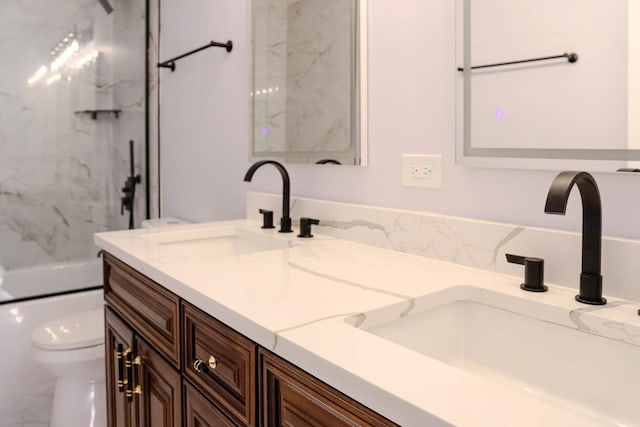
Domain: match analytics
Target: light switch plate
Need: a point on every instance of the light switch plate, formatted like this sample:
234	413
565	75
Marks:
422	170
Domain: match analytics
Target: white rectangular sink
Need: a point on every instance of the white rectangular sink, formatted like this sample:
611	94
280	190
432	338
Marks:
218	242
484	333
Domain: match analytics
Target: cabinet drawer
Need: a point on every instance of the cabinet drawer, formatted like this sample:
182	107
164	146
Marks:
292	397
199	412
231	384
152	310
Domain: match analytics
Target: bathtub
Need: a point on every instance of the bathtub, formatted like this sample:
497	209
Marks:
49	279
38	293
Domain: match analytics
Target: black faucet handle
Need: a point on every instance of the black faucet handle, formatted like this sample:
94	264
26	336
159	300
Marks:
533	272
267	218
305	226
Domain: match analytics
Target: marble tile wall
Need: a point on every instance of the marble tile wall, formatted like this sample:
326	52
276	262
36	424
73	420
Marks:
480	244
154	107
60	172
128	59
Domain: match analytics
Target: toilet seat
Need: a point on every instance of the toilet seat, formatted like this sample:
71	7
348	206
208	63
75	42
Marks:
76	331
72	349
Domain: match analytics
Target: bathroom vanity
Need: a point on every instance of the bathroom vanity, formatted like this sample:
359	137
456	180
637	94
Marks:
228	324
184	357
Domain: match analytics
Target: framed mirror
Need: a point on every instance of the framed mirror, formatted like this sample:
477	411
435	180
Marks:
309	81
548	84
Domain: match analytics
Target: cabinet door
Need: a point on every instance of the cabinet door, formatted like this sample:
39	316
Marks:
118	338
199	412
291	397
160	400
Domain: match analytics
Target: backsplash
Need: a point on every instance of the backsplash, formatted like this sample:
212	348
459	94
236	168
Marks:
480	244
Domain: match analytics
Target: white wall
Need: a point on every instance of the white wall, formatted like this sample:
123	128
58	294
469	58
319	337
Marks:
204	122
634	74
205	126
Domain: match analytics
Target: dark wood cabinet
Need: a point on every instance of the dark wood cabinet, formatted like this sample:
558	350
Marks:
143	330
150	309
200	412
231	382
182	367
143	349
118	338
146	394
160	403
291	397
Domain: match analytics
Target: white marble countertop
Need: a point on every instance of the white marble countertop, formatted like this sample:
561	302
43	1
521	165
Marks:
294	302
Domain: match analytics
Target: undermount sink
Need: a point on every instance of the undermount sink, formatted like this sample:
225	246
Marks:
218	242
484	333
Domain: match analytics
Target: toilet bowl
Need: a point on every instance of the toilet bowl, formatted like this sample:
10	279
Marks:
72	349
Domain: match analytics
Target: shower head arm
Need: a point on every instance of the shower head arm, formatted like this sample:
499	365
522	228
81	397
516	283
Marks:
107	7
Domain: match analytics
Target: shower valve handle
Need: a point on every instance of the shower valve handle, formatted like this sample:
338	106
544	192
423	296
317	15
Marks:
127	203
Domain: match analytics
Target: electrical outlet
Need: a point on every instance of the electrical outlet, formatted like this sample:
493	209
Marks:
422	170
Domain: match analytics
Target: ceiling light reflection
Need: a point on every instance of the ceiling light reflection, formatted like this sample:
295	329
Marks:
53	79
37	75
64	56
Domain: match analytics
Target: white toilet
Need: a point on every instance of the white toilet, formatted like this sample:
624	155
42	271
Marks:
72	349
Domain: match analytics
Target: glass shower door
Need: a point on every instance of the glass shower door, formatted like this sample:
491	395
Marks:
72	96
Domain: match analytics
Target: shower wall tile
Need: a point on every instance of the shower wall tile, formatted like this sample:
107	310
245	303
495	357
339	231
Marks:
60	172
154	107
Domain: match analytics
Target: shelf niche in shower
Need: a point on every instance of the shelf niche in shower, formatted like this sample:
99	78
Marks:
95	113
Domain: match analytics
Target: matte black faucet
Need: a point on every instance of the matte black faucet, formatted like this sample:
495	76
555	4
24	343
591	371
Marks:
590	278
285	221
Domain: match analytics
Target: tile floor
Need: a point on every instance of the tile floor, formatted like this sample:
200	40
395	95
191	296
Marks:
31	409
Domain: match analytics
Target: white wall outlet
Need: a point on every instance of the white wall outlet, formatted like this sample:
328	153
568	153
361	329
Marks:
422	170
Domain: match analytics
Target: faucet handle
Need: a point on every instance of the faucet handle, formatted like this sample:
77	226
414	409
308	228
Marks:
305	226
533	272
267	218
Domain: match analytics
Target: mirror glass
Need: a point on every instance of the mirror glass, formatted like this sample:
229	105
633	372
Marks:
308	97
548	84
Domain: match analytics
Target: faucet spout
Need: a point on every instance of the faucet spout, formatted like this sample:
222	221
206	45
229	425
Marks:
590	278
285	221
